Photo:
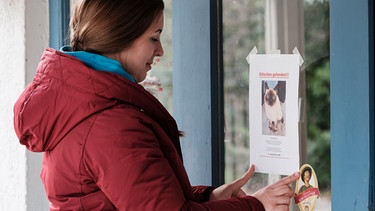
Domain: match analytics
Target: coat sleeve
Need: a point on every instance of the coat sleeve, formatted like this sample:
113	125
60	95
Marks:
125	160
202	193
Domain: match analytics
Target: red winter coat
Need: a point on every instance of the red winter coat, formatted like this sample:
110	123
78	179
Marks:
108	144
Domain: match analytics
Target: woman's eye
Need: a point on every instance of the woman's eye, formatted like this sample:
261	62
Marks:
155	39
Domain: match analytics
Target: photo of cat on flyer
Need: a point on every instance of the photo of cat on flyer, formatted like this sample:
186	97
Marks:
273	107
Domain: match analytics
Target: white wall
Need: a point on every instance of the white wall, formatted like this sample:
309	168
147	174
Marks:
24	34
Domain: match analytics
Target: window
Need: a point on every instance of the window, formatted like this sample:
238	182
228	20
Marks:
163	67
277	25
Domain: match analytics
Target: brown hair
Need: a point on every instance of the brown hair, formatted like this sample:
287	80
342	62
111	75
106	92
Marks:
109	26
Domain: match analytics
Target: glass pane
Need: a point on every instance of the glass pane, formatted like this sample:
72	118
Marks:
245	25
163	66
243	28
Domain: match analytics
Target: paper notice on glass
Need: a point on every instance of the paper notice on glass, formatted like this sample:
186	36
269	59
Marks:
274	112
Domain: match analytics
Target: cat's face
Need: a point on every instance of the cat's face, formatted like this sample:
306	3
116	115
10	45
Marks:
270	95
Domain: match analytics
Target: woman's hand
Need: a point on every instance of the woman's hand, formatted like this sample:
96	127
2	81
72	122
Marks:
232	189
276	197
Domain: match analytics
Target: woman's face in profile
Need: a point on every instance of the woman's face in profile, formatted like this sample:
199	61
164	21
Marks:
138	58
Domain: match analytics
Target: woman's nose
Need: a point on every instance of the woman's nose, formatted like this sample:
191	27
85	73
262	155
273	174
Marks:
159	51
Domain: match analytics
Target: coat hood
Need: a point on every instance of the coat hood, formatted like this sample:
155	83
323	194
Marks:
65	91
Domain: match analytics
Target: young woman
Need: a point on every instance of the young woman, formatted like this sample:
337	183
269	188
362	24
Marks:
108	144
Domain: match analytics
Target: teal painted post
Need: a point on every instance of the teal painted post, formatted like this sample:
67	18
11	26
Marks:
372	109
196	98
351	109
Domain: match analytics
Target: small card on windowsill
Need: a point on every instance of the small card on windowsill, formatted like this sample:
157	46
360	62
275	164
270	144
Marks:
307	189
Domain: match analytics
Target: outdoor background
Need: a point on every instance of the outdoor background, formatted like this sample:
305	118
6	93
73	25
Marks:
244	28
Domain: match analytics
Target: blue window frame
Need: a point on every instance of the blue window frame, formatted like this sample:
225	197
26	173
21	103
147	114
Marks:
197	90
59	16
352	104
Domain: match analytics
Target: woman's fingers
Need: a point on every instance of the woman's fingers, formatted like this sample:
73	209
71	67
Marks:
286	180
243	180
284	190
240	193
232	189
277	196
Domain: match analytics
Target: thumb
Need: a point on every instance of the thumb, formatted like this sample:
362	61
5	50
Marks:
243	180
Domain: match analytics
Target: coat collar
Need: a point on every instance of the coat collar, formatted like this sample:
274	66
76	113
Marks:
98	62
